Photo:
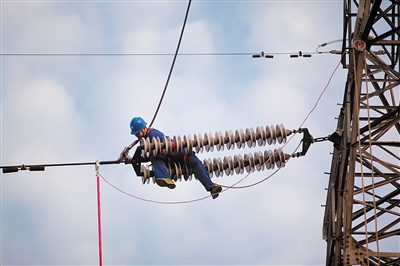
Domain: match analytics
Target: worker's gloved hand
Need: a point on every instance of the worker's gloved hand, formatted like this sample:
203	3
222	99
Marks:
124	156
128	158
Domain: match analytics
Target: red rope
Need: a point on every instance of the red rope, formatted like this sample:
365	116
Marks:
99	222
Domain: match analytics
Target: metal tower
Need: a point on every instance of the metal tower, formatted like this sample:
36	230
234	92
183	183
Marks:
361	221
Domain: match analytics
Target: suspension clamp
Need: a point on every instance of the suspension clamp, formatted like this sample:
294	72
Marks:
307	141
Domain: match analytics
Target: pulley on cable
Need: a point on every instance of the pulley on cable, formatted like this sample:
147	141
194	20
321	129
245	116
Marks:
229	165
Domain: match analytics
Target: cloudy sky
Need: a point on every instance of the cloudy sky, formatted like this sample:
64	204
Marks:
74	73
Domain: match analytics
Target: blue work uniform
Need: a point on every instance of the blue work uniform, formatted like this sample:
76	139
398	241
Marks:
160	161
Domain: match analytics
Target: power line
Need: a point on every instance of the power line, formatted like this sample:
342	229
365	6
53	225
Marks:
160	54
173	63
175	1
41	167
121	54
126	149
253	54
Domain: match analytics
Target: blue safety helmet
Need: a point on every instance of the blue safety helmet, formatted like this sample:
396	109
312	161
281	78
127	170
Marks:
137	124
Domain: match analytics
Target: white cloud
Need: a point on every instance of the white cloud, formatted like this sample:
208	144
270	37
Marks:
27	27
37	114
292	25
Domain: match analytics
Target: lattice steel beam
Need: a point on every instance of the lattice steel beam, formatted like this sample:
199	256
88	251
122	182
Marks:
361	222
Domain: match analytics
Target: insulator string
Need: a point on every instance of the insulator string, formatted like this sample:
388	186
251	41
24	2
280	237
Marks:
250	138
217	167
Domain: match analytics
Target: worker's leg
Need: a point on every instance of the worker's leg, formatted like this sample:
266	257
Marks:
163	179
159	166
200	172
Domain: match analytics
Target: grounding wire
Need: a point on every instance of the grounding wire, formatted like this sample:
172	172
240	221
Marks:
323	91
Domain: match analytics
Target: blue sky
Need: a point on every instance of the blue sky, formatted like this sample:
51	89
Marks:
60	109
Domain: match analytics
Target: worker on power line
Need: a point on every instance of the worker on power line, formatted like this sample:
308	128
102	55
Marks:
163	178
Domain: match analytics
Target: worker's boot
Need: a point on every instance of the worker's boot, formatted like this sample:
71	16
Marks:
165	182
215	190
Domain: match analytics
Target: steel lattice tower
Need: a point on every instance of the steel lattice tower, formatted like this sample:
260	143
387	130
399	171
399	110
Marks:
361	221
